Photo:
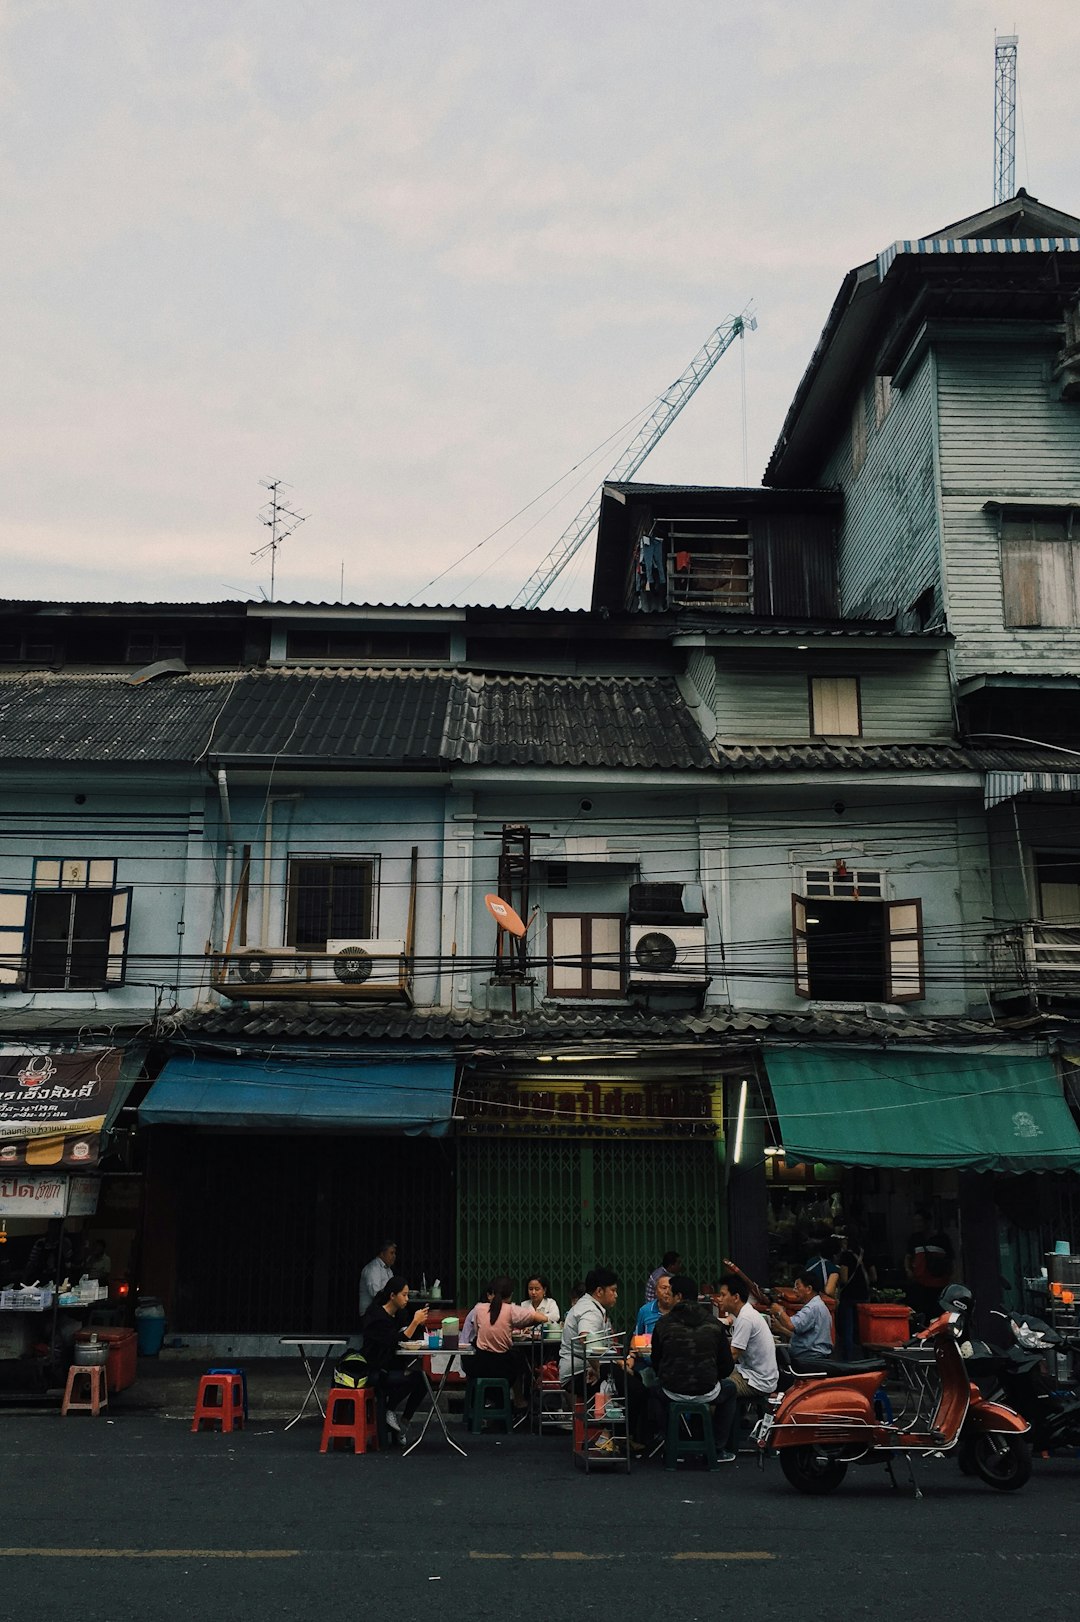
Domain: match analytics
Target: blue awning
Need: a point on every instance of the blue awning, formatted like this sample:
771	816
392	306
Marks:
278	1094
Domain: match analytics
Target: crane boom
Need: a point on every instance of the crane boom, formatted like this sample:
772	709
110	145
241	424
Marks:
652	430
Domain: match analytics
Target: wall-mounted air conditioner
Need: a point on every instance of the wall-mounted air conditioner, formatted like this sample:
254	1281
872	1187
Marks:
670	955
364	963
265	965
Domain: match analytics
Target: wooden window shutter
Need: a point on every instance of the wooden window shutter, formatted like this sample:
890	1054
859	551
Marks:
606	956
905	976
14	910
119	923
834	706
566	955
799	943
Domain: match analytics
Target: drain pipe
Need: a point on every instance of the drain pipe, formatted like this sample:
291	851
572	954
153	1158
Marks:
226	819
268	854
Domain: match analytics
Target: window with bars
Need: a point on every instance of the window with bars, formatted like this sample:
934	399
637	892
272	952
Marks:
585	954
330	898
70	931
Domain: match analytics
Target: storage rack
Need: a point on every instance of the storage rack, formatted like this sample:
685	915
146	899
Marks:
605	1354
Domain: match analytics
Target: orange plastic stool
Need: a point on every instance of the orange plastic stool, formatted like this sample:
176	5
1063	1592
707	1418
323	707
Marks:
97	1394
359	1428
227	1407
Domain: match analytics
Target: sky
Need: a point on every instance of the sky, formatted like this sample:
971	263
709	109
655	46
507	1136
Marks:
419	260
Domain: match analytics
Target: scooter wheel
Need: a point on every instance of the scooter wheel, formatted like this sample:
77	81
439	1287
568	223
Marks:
811	1471
1001	1461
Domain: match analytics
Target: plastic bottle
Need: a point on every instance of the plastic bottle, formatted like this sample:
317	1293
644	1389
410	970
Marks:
423	1283
436	1290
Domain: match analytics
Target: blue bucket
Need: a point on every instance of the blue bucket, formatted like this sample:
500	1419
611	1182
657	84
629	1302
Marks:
150	1328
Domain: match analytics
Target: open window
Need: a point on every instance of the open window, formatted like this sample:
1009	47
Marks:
75	927
851	945
330	898
585	955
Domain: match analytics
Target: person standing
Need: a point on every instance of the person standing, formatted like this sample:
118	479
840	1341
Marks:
377	1274
671	1263
928	1263
858	1275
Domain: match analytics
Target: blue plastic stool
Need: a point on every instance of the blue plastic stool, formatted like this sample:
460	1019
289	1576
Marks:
243	1381
501	1411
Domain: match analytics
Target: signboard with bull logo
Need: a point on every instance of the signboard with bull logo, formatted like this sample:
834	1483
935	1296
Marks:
53	1106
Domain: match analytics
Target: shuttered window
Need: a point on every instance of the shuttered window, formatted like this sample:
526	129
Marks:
858	951
1040	571
834	707
70	933
585	955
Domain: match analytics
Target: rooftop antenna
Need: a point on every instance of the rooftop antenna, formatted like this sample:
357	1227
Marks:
1005	116
280	520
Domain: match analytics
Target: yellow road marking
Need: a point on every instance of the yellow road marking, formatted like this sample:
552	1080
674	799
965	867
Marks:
723	1554
479	1554
151	1554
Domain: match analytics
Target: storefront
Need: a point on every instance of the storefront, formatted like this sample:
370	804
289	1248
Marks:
271	1180
870	1136
559	1172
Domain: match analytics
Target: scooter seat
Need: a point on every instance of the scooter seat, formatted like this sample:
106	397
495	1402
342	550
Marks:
834	1366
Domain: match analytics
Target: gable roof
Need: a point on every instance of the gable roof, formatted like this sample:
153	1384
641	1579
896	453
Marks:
992	243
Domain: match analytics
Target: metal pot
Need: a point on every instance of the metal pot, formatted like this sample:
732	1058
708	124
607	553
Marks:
89	1356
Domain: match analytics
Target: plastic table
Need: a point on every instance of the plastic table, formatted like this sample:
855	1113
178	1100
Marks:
308	1347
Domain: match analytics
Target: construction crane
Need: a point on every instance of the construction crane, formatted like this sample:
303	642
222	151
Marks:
1005	116
650	433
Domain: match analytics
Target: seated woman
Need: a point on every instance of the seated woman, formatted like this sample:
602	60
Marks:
386	1323
539	1298
495	1358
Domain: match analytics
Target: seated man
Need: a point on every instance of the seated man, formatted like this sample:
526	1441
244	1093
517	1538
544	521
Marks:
755	1373
650	1314
691	1362
809	1329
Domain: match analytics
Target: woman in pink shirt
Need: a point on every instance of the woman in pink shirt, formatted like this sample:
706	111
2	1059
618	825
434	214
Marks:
495	1320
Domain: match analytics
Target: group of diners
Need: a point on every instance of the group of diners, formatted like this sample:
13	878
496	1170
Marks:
717	1349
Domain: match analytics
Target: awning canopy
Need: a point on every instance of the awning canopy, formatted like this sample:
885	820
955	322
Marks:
415	1096
964	1111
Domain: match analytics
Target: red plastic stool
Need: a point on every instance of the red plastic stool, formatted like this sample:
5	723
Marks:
97	1394
360	1428
227	1406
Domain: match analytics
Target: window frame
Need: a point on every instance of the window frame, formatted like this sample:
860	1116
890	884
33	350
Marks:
901	981
1039	589
75	877
586	990
297	859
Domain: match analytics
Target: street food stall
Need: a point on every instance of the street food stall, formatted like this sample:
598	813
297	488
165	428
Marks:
55	1109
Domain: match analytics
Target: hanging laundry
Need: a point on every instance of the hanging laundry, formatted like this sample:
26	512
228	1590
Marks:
651	556
682	561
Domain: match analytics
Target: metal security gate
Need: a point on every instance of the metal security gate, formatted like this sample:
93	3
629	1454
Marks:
272	1231
563	1205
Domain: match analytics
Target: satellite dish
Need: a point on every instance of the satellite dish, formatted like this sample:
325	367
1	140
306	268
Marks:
504	915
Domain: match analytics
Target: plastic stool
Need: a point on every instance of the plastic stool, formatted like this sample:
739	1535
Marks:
480	1413
97	1390
677	1446
243	1381
227	1409
358	1426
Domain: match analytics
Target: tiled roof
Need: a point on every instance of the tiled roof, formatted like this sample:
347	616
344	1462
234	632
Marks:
311	1023
889	757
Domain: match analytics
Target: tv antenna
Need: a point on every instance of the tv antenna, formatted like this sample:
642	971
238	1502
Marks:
1005	116
280	519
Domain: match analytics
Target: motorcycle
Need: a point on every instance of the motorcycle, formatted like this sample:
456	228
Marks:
1025	1344
827	1421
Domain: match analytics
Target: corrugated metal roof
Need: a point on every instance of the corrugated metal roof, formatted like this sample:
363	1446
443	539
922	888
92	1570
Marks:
47	717
336	715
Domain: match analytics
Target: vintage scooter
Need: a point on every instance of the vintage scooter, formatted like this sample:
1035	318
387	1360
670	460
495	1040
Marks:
825	1422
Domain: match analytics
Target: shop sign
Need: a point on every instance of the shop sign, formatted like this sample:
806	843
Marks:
53	1106
83	1196
598	1109
26	1194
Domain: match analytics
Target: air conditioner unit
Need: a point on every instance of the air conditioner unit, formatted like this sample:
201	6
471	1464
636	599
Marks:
358	963
673	955
264	965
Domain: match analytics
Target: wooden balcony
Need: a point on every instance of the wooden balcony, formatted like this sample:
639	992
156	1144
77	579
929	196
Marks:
1035	962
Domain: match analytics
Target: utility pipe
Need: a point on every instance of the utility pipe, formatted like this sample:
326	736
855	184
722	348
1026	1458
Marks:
226	818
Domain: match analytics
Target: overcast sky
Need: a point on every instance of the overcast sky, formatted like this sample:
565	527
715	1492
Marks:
420	258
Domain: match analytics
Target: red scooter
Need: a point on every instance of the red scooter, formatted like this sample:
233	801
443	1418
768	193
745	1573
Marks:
826	1421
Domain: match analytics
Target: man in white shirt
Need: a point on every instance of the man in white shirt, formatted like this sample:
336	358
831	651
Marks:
587	1320
755	1373
379	1271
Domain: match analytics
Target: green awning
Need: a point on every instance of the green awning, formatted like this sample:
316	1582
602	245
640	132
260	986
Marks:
963	1111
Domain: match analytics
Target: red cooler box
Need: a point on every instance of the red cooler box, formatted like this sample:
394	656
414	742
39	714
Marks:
883	1323
120	1364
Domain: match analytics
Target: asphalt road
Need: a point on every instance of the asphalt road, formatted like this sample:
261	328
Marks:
137	1518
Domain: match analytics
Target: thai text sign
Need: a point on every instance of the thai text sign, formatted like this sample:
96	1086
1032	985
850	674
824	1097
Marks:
53	1106
573	1108
32	1194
